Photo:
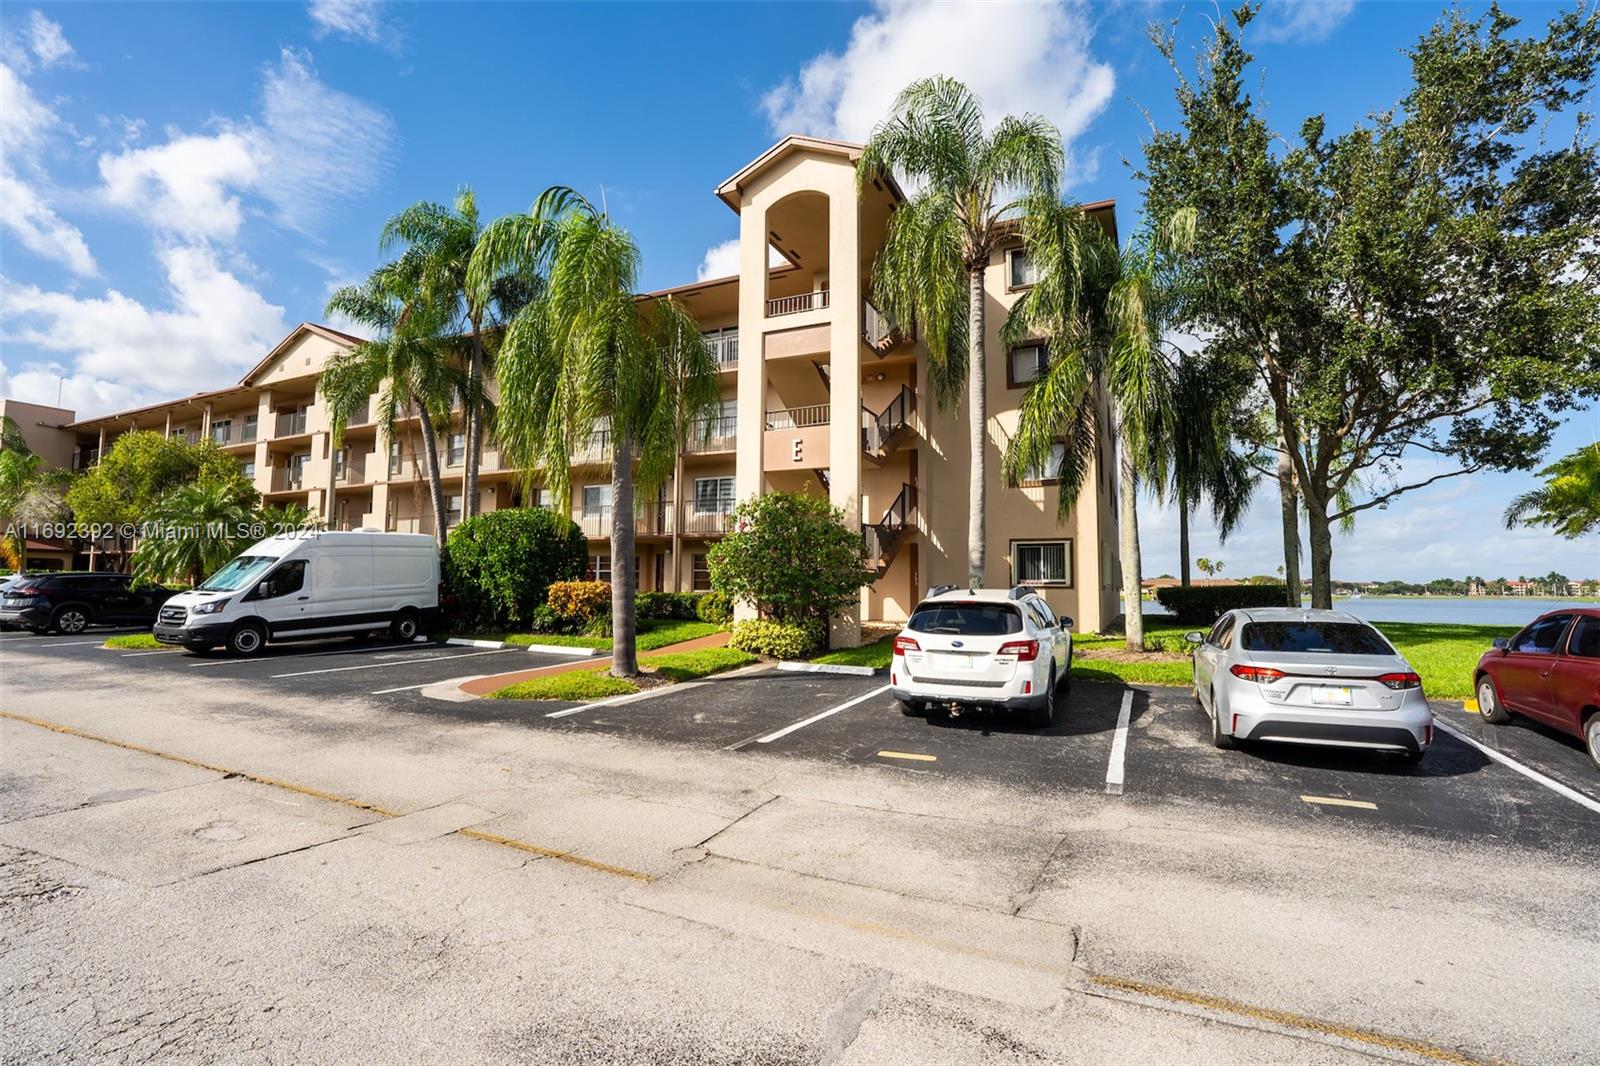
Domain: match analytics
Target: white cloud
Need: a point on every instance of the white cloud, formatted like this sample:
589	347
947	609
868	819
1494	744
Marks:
25	124
119	352
357	20
37	43
311	148
722	261
1294	21
1017	58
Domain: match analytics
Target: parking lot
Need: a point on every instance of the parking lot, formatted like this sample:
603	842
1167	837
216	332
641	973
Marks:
1149	745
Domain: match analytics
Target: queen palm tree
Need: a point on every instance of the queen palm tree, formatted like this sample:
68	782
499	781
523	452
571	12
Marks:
1197	446
409	366
1568	501
971	188
194	530
587	352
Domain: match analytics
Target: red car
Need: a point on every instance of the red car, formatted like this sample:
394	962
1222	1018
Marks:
1550	672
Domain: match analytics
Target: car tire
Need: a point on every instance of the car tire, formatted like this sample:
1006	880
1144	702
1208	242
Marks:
1489	704
913	708
404	626
69	619
1042	713
1591	736
1219	739
247	639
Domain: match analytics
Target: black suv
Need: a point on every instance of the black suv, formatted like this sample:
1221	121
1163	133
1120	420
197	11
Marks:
71	602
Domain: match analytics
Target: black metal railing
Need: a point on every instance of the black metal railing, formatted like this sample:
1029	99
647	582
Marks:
879	427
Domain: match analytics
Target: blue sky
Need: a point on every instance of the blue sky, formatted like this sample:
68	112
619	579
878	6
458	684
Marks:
184	182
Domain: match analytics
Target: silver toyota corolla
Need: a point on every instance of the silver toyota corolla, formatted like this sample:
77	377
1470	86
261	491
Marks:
1308	677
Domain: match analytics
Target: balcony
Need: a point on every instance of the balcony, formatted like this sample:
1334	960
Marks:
724	348
649	520
794	305
352	471
290	480
816	414
290	424
85	458
704	523
796	439
718	434
596	449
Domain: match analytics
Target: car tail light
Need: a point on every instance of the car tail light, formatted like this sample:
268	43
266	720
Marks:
905	644
1401	680
1265	675
1025	650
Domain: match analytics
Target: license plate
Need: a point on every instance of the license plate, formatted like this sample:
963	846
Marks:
1331	697
952	662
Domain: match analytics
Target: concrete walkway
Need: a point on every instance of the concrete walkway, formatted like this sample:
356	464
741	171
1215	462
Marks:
482	686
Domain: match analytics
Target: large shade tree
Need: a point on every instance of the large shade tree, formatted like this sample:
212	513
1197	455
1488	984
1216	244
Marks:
1416	295
970	185
586	356
30	494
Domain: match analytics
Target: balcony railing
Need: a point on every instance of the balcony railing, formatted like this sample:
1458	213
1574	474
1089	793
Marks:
291	424
247	433
361	415
649	520
816	414
85	458
350	472
718	434
704	523
879	428
596	449
724	348
288	480
793	305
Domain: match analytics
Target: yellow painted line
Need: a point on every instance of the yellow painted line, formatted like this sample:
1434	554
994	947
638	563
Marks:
1288	1019
317	793
1336	801
912	755
1469	705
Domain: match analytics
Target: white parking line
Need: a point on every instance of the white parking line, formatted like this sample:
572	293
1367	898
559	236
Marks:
74	643
393	649
786	730
1119	746
397	662
157	651
1526	771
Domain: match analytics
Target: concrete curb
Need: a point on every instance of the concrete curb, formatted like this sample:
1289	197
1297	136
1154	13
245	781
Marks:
542	649
828	668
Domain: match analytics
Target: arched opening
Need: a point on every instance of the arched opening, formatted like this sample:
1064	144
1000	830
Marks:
797	227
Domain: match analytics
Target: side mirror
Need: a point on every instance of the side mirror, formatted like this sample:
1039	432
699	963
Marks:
1066	621
1194	636
1501	644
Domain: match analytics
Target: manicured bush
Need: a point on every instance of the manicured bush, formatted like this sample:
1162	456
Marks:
760	636
545	619
680	605
598	626
1203	604
790	556
580	601
499	566
714	608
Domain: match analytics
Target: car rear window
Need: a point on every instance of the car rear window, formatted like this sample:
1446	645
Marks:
968	619
1327	638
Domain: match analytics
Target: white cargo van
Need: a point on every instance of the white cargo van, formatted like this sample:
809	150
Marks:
312	584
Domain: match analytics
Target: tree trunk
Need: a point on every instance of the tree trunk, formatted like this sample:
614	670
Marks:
624	624
430	460
1183	540
474	413
1321	555
1290	502
977	400
1128	534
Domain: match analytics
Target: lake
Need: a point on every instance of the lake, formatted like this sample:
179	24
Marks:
1506	611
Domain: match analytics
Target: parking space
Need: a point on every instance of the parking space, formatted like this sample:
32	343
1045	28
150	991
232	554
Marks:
1150	746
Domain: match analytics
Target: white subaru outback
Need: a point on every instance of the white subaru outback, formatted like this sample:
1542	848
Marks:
994	649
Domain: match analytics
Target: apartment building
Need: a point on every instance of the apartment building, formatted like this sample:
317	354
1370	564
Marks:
819	396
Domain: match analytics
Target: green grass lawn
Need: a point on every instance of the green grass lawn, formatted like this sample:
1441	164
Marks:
134	641
654	633
876	655
578	685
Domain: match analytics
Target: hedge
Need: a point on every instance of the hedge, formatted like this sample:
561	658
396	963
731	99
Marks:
1203	604
498	566
775	639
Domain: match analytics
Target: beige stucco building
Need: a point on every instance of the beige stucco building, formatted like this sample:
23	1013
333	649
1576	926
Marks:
818	397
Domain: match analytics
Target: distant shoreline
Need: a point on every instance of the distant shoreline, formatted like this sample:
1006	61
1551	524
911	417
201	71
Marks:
1420	596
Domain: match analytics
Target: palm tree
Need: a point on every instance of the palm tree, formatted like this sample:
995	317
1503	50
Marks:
194	530
1568	501
438	243
284	517
409	366
1104	316
931	266
587	352
29	496
1197	452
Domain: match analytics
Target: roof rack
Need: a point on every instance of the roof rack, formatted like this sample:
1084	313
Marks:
940	590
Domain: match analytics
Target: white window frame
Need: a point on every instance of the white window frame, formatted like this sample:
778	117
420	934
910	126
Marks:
605	507
1019	546
725	500
1012	285
1050	474
456	450
595	570
224	424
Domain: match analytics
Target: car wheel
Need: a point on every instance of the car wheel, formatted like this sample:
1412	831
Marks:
1219	739
1042	713
913	708
1591	735
70	620
1489	704
404	626
246	639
